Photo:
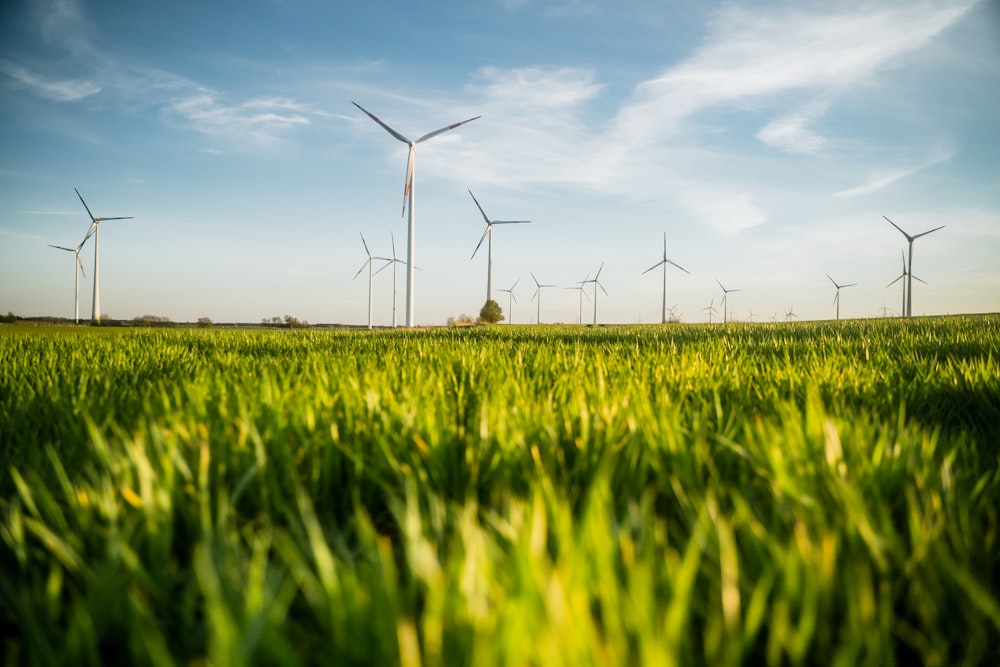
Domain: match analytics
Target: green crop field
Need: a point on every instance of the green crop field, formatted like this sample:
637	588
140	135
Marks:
780	494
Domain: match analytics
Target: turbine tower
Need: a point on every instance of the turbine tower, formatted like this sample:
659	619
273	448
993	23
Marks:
510	301
597	283
408	199
836	299
489	232
664	262
909	280
538	293
95	226
725	295
369	262
76	276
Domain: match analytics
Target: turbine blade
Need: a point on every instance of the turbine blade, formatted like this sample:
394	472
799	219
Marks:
599	271
923	281
833	281
489	228
848	285
393	237
601	286
367	261
901	276
61	248
384	126
515	284
128	217
480	208
409	177
535	279
388	263
652	267
908	237
721	285
926	233
678	266
367	252
431	135
84	203
80	262
511	222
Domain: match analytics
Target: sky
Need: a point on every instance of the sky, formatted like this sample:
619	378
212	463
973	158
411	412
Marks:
765	139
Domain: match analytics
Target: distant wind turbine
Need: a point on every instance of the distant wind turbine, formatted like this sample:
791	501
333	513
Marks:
394	261
538	294
510	301
408	199
489	232
583	292
710	308
790	313
901	276
95	225
910	240
725	295
597	283
76	276
369	263
836	299
664	262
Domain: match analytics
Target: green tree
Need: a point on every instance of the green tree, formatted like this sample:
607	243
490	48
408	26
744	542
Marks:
491	312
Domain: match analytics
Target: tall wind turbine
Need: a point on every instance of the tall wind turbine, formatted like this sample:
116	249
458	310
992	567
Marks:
369	262
901	276
597	283
664	262
408	199
909	280
510	301
725	295
583	292
538	294
489	232
836	299
95	226
79	262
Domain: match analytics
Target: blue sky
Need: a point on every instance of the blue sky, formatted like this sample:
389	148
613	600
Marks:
766	139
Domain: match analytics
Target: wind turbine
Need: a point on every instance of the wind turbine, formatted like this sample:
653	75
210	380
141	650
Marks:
408	199
836	299
904	274
710	309
790	313
580	288
95	226
369	262
538	293
489	232
664	262
909	280
510	301
725	295
597	283
394	261
76	252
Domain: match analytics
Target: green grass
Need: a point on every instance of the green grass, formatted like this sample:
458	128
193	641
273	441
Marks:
809	493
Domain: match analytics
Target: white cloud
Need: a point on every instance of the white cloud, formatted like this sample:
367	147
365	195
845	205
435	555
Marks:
791	132
885	178
58	90
259	120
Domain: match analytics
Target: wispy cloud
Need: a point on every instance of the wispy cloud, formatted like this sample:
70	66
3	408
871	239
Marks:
792	133
886	178
259	119
58	90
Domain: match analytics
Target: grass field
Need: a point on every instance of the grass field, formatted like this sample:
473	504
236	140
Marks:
807	493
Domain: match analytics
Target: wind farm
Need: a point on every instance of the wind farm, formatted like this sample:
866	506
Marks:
242	462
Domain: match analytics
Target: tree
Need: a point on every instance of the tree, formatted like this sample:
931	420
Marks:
491	312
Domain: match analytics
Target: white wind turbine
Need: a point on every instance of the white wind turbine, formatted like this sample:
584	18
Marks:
901	276
394	261
909	280
664	262
836	299
597	283
725	295
95	226
538	294
583	292
76	276
511	300
710	308
790	313
489	232
408	200
369	262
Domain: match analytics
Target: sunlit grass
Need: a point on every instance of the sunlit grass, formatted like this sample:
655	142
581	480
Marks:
745	494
